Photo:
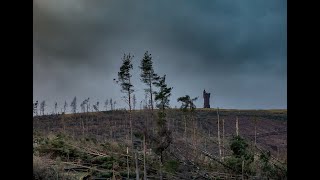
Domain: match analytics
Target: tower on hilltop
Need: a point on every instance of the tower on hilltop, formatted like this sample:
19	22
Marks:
206	97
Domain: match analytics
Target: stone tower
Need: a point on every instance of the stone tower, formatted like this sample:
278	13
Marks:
206	97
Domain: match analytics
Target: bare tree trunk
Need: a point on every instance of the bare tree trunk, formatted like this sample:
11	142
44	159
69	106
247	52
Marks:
82	127
151	98
131	132
173	125
144	159
223	139
128	168
160	166
255	132
113	175
242	169
237	126
185	128
194	136
129	96
63	123
137	165
205	144
219	133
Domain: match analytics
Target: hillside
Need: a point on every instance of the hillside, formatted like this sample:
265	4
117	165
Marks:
193	152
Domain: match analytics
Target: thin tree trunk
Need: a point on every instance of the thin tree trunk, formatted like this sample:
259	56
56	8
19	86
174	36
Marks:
223	139
205	144
128	168
219	134
82	127
194	127
151	103
129	96
185	128
237	126
144	159
113	175
137	165
151	98
242	169
160	166
255	132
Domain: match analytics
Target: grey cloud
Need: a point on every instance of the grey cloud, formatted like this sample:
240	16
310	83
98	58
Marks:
232	48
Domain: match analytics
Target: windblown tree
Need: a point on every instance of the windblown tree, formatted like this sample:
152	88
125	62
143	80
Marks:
87	103
42	107
187	102
134	101
188	105
124	78
35	108
147	75
55	107
96	106
82	106
74	105
146	102
164	135
106	104
111	104
65	106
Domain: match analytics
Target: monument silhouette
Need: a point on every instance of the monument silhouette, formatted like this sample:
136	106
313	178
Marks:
206	97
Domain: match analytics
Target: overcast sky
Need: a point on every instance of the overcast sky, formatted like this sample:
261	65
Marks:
236	50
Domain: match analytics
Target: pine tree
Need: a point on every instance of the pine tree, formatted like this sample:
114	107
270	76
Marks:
124	78
147	75
164	135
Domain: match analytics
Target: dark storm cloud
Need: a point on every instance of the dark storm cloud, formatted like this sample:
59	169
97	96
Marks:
236	49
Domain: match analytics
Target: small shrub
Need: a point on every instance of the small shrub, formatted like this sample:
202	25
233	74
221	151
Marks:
171	166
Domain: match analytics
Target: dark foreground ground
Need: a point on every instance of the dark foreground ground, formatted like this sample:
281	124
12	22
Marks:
195	138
